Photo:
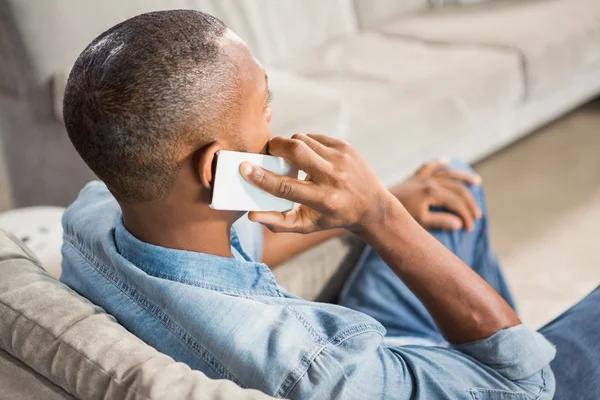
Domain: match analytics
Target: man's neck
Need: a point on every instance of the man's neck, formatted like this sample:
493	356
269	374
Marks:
196	228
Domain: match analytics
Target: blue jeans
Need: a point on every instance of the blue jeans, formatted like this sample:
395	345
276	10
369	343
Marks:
375	290
576	335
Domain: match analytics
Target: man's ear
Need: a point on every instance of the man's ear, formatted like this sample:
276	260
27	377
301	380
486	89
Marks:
206	163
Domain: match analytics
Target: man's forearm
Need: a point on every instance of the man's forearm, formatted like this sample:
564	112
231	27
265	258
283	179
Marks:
463	305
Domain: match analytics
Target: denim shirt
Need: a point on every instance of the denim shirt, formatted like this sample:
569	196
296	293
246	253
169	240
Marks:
228	318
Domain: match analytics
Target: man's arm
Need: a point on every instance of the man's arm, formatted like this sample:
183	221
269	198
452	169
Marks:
464	307
343	192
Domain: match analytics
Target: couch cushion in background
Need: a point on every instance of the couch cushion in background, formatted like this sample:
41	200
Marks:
404	97
80	348
319	273
370	12
443	3
290	28
557	39
300	105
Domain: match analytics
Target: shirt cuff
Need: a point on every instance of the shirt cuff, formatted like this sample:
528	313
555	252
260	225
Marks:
516	352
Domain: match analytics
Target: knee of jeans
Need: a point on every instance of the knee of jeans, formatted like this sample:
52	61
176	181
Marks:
477	190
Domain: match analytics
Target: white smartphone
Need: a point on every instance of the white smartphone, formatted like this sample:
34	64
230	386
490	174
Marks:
230	191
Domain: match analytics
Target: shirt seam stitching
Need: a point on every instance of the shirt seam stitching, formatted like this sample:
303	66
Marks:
216	288
270	291
544	384
298	373
208	358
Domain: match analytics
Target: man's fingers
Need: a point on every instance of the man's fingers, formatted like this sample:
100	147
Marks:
328	140
279	186
465	177
298	153
457	205
315	145
432	167
441	220
461	190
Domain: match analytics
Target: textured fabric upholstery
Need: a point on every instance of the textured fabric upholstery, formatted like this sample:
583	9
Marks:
19	382
80	348
370	12
285	29
300	105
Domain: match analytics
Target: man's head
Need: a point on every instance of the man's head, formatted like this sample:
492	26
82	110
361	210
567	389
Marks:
159	94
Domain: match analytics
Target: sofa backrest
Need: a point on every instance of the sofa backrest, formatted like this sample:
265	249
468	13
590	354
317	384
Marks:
287	29
77	346
371	12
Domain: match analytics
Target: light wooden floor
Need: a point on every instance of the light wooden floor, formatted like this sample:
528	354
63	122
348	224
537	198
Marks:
544	202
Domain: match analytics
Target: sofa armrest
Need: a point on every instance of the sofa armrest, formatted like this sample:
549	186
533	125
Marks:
80	348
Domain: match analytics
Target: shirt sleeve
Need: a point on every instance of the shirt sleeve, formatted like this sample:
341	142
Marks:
513	362
516	352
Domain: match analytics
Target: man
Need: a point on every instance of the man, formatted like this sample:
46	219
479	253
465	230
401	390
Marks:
147	106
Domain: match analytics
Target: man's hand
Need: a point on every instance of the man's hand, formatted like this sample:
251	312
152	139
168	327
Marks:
341	190
435	185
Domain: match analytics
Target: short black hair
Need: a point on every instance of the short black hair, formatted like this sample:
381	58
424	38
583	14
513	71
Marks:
143	91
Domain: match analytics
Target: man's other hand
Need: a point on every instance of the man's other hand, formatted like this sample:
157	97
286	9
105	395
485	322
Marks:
436	185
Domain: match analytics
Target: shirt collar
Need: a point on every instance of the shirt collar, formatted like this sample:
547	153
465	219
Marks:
238	275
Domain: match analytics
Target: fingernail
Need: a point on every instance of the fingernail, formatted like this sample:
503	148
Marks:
445	160
477	179
456	225
479	213
246	168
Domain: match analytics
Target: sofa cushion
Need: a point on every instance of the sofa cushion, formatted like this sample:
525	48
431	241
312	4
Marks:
19	382
370	12
556	39
319	273
79	347
290	28
444	3
404	96
300	105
